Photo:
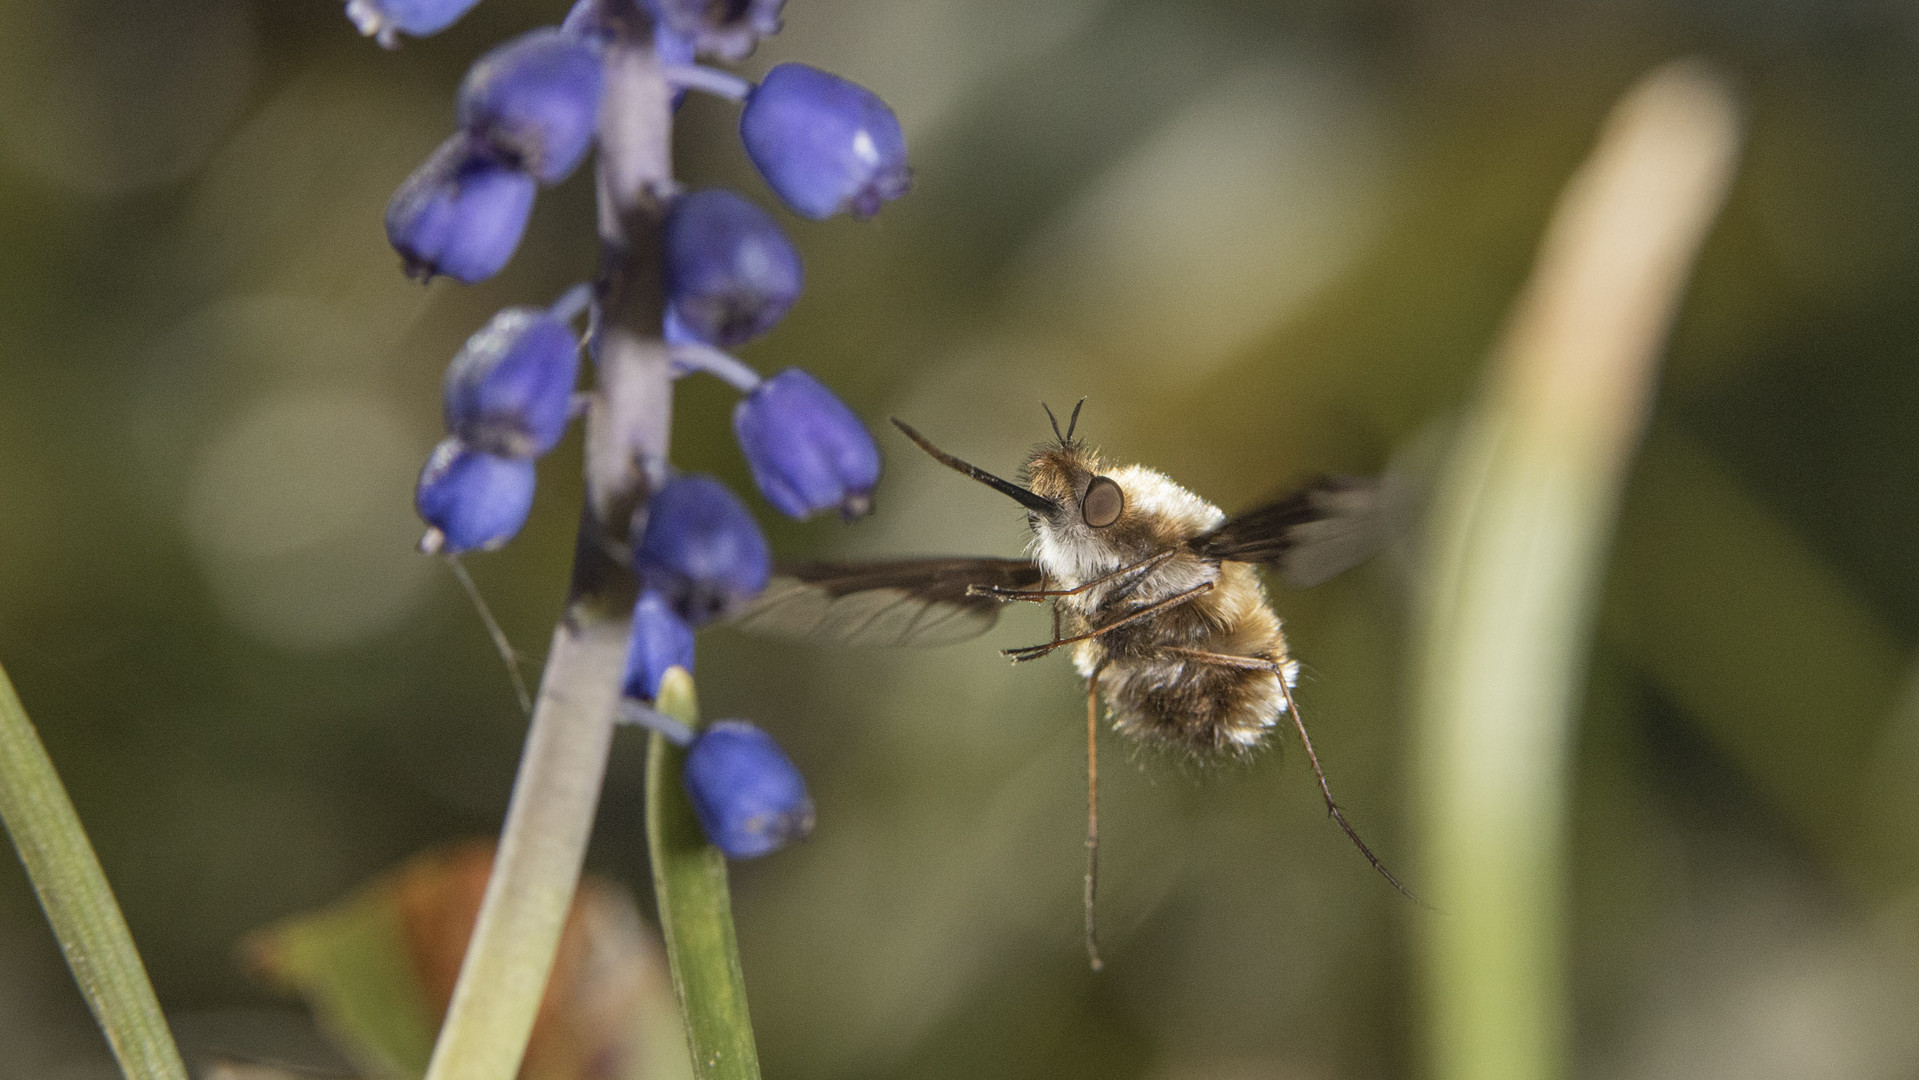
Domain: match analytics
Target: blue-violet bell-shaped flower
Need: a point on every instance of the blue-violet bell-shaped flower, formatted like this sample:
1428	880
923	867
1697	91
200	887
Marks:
700	548
748	795
824	144
473	500
385	20
731	273
807	450
510	389
536	101
661	640
725	30
461	214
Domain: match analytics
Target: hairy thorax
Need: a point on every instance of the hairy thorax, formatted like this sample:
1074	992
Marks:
1160	517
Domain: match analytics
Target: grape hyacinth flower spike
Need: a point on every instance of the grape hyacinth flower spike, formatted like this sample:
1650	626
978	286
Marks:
682	277
825	145
749	797
807	450
461	214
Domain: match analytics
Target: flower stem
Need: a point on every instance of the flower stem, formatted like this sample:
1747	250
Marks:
1520	533
542	848
696	913
572	303
641	715
718	363
79	904
708	80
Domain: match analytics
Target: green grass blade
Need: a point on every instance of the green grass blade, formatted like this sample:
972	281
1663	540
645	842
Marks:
79	904
696	911
1521	525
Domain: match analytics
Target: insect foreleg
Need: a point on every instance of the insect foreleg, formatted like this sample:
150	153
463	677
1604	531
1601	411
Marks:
1251	663
1034	652
1038	595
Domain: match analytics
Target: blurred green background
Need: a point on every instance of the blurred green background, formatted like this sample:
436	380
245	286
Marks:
1265	240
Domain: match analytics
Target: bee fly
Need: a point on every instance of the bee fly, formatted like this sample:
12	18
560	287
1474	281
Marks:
1155	591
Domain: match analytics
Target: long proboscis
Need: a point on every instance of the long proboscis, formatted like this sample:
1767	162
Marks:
1024	497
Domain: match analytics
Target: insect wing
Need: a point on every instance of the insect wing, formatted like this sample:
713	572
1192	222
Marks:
918	602
1317	533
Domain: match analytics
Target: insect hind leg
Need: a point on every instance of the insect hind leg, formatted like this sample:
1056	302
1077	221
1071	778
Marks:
1092	815
1254	663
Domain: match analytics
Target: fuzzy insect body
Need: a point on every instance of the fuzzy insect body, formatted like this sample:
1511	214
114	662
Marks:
1156	672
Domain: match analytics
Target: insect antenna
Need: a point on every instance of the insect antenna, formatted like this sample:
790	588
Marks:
1092	814
508	654
1325	789
1071	423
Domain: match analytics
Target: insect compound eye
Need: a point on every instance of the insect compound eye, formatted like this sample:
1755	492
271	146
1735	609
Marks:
1102	503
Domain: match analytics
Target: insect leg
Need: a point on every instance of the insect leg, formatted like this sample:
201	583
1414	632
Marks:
1034	652
1299	724
1092	814
1243	663
1037	595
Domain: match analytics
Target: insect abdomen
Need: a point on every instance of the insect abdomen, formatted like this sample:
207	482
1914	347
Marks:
1198	707
1160	694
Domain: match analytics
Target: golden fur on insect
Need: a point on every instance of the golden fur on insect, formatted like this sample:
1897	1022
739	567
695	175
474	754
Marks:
1152	692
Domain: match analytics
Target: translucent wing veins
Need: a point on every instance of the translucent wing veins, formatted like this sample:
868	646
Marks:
1318	532
917	602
